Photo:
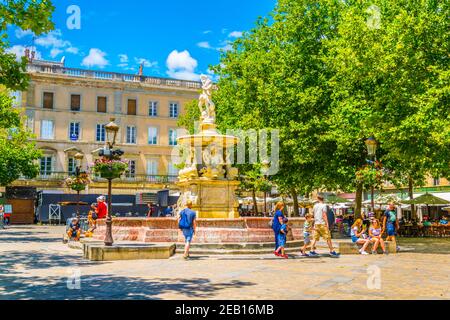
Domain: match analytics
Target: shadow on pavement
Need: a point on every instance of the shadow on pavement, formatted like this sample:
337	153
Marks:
10	260
102	287
13	239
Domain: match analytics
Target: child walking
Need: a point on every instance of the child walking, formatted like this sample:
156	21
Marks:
307	230
282	239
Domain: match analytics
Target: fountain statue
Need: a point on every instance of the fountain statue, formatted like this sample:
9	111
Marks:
208	178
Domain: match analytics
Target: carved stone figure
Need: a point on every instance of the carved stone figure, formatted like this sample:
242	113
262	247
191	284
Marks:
190	171
205	103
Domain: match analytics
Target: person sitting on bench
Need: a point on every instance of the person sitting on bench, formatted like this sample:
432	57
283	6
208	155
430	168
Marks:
74	232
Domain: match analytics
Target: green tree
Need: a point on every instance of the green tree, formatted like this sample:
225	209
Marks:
17	153
390	65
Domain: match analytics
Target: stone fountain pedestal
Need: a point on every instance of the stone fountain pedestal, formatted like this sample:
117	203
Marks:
215	199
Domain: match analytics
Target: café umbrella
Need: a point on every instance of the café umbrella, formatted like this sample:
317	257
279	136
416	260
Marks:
427	199
333	199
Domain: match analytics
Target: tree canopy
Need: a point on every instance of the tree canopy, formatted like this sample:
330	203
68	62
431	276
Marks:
17	152
329	74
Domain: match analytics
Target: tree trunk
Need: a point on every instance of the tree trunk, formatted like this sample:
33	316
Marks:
295	198
358	200
411	197
255	203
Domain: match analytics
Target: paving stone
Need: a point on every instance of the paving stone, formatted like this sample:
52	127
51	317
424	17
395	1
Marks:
35	264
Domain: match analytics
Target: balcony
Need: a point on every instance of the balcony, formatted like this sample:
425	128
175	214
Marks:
58	69
60	177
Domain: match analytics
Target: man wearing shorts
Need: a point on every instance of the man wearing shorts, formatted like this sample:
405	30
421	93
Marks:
188	225
321	227
390	224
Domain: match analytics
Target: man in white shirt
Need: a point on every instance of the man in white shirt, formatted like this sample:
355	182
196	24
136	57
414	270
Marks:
321	227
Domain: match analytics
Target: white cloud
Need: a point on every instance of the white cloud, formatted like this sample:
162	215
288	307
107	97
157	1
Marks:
147	63
56	43
19	51
235	34
52	39
207	31
23	33
55	52
204	44
96	58
123	58
182	66
72	50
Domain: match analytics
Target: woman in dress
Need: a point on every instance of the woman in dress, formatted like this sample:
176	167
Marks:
277	222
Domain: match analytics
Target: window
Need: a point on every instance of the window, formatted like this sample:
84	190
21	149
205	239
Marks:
172	137
152	167
74	131
29	124
72	166
132	109
102	105
17	98
153	109
48	100
75	102
47	130
131	135
101	133
46	166
173	171
436	182
173	110
152	136
131	169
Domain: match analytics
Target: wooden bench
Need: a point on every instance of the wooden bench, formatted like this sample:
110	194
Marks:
353	248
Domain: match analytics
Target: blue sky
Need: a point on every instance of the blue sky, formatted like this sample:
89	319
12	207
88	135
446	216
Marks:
177	39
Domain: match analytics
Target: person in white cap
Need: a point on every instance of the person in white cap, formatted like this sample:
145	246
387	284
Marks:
102	209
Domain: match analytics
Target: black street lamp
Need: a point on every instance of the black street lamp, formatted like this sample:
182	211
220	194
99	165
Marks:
79	158
111	133
372	146
266	167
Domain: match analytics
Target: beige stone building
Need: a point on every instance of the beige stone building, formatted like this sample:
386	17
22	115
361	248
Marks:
68	108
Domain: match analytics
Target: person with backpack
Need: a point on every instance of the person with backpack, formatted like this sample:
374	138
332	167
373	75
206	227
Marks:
187	224
390	224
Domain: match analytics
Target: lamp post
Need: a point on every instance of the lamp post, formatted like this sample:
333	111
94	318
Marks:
79	158
266	167
111	133
372	145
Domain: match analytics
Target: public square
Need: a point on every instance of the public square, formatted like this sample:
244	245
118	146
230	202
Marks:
225	150
36	265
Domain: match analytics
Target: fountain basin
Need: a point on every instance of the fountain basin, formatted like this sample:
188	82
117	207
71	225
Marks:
241	230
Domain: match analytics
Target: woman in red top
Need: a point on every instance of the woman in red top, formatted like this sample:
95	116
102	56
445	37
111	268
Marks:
102	209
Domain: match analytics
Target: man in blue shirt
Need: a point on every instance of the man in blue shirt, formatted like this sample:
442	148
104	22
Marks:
188	225
390	224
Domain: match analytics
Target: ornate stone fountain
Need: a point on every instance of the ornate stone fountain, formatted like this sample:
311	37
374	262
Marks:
208	178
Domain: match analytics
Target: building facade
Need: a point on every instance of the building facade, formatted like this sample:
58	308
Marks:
67	110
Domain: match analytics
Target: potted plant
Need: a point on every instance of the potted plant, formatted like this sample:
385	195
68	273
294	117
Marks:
110	169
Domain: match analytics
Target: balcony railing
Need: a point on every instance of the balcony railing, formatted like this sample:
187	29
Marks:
111	76
62	176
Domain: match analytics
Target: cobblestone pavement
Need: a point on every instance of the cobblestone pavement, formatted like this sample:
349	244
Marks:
35	264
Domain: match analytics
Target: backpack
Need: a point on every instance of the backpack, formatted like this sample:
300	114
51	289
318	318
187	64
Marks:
184	222
392	217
